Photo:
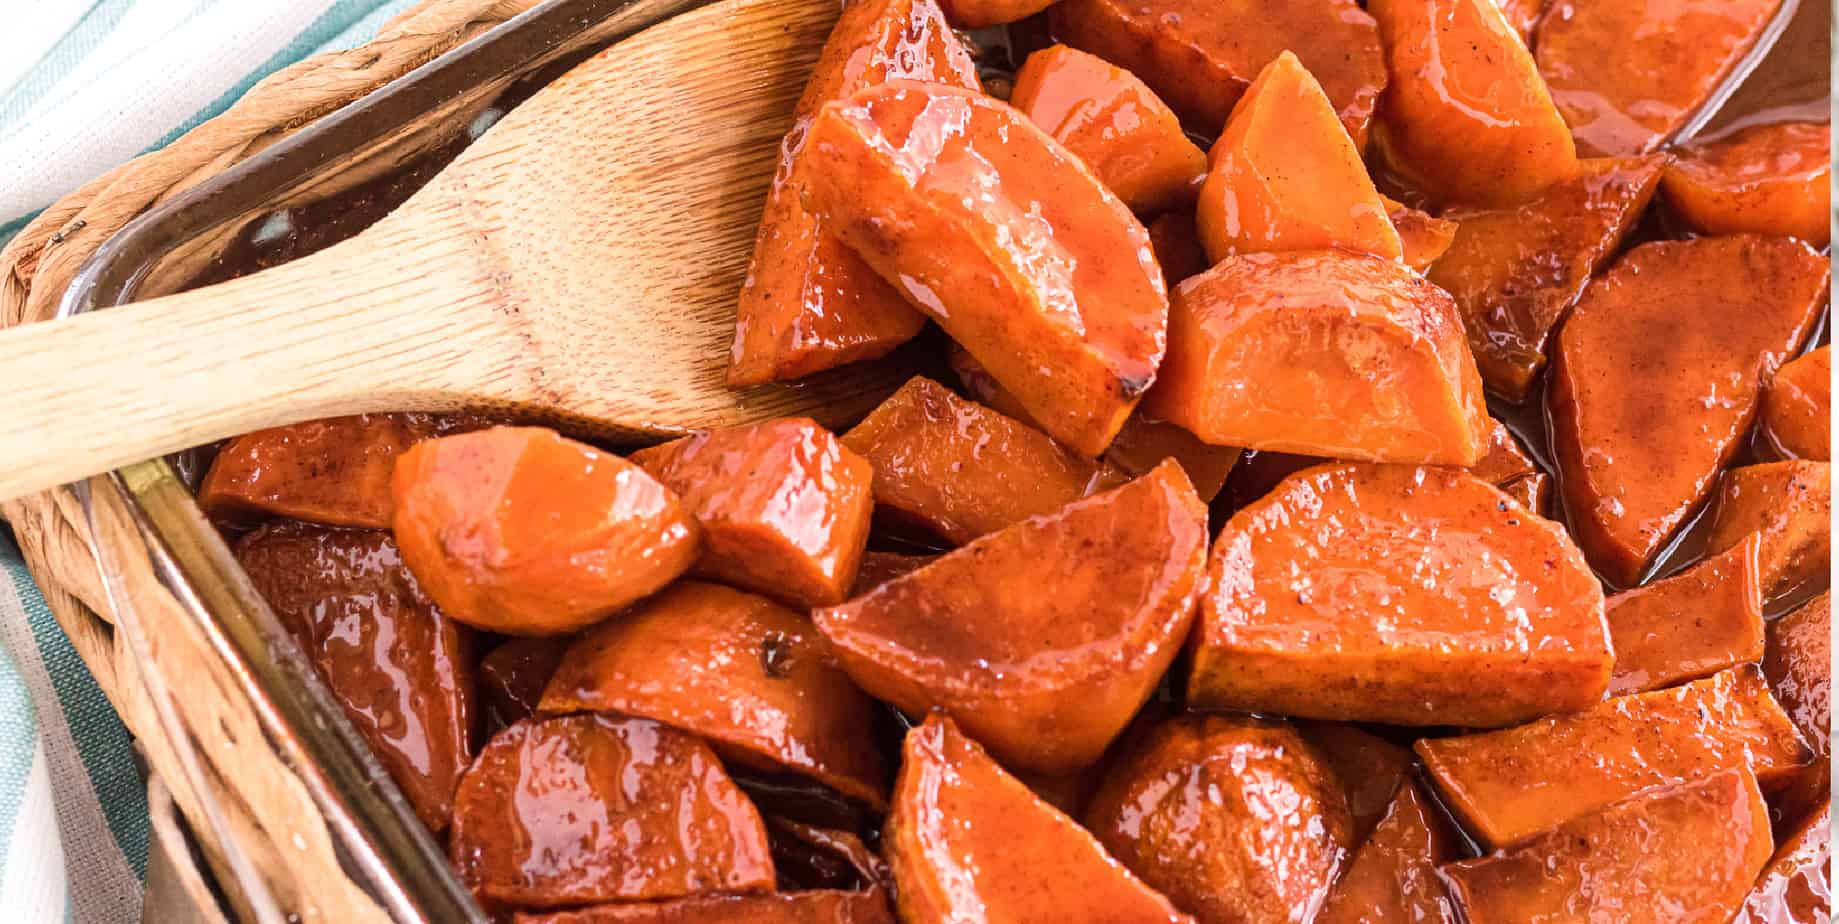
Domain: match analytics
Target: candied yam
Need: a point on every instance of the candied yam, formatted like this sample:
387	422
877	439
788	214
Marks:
1106	116
808	302
1368	767
878	568
1176	243
1671	855
1796	886
1006	239
969	842
1093	601
1232	819
1467	118
784	506
1690	625
1397	594
1765	179
1516	272
1201	56
1393	877
1627	76
582	809
741	672
401	670
521	531
1506	786
818	906
1797	407
1799	665
1791	505
1325	353
1423	238
512	677
1641	424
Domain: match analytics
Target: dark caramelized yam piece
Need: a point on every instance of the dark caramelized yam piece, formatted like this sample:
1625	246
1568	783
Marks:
1201	56
1423	238
1368	767
1042	640
820	906
969	842
739	671
1532	491
520	531
1232	819
1641	425
1107	117
960	469
809	857
1516	272
1176	242
808	302
1506	786
512	677
1326	353
878	568
1799	665
784	506
583	809
1627	76
1466	118
1690	625
1393	875
1003	237
1765	179
1797	407
1681	854
1796	886
1791	505
402	671
1397	594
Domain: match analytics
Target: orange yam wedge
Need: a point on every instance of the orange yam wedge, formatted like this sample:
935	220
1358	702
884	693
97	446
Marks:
1797	407
1370	769
1690	625
1797	884
1799	665
1766	179
1791	505
1423	238
1393	876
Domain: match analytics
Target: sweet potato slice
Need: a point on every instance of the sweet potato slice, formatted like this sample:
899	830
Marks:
1506	786
1368	767
1799	666
1641	424
1393	876
1672	855
1201	56
746	675
1797	407
1422	237
818	906
1325	353
1397	594
1516	272
1284	175
402	671
1791	505
582	809
512	677
1765	179
1796	886
521	531
1690	625
1466	118
1176	242
1093	602
969	842
1232	819
1106	116
1003	237
808	302
784	506
1627	76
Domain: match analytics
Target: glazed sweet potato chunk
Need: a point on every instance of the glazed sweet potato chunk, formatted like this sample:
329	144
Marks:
1690	625
1627	76
582	809
1393	877
1797	407
1791	505
1093	601
1397	594
1232	819
1799	665
1516	272
1284	175
969	842
1506	786
402	671
1368	767
1640	424
1422	238
520	531
1201	56
1796	886
808	302
512	677
738	671
784	506
1765	179
1466	118
1672	855
1259	343
818	906
1114	123
1003	237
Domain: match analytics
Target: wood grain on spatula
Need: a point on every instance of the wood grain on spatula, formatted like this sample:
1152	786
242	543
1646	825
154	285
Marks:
579	261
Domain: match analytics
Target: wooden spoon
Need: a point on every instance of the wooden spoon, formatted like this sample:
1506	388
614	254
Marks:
579	261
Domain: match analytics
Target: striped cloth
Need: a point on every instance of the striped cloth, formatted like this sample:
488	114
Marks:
84	86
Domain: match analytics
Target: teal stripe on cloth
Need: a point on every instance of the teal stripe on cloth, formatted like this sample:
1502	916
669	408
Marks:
61	59
16	759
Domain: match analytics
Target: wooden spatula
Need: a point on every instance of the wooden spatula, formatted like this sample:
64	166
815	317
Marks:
580	260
